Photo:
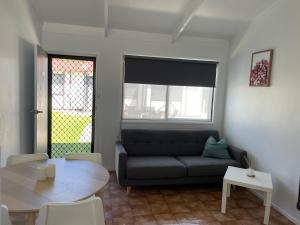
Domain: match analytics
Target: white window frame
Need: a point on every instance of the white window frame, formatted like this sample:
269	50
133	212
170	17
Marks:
167	119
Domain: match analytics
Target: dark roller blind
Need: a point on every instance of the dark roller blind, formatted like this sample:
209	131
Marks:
149	70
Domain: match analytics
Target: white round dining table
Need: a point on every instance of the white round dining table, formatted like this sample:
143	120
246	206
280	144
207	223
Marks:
74	180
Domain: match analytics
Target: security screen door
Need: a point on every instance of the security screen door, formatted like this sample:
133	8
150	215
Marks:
71	104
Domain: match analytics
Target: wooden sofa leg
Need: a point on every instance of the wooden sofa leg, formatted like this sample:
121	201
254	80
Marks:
128	189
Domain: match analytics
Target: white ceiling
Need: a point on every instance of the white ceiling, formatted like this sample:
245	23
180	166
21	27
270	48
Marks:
76	12
214	18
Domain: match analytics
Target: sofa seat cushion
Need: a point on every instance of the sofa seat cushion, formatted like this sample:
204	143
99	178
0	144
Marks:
199	166
154	167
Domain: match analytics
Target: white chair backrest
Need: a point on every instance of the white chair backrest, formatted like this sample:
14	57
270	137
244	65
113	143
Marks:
88	211
4	216
94	157
22	158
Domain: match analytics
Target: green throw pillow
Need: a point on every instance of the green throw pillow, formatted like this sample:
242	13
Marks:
216	149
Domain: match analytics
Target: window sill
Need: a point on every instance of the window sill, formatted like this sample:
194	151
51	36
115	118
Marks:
169	121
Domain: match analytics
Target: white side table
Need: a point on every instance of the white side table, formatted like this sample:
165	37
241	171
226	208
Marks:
261	181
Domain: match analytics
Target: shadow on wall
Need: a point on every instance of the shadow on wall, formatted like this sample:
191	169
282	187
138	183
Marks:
288	190
26	95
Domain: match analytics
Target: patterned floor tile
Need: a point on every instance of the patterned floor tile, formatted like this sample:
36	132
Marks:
221	217
157	208
145	220
196	206
179	208
240	214
139	210
164	219
212	205
179	205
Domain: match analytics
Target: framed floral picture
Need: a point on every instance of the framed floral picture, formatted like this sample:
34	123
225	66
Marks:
261	68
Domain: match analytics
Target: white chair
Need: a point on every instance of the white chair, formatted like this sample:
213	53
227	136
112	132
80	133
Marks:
86	212
4	216
94	157
22	158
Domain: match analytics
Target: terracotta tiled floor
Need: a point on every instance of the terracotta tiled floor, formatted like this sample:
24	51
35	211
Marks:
186	205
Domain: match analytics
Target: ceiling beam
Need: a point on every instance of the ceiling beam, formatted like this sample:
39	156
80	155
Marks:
106	22
188	14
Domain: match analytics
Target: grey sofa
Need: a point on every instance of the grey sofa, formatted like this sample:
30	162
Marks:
156	157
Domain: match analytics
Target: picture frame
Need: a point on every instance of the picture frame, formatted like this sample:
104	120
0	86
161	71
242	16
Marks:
261	68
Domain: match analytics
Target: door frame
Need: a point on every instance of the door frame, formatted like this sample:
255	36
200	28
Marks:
75	57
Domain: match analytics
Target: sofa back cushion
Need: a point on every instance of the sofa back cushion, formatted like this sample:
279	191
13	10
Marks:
165	142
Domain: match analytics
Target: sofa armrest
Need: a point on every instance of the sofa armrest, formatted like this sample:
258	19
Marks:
120	162
239	155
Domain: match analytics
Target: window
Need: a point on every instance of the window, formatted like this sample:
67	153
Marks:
142	101
190	102
145	101
168	89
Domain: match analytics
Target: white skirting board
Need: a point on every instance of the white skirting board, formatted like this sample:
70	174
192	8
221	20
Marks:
282	211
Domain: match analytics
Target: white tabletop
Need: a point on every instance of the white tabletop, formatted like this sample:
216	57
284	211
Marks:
75	180
238	176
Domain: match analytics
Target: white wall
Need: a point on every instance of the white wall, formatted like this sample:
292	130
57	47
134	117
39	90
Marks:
266	121
91	41
20	30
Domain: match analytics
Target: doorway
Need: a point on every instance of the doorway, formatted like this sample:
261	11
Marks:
71	105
